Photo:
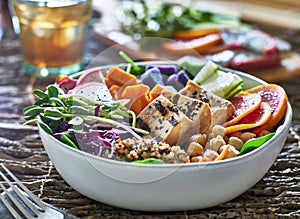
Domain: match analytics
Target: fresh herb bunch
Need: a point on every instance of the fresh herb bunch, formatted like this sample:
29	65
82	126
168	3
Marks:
142	19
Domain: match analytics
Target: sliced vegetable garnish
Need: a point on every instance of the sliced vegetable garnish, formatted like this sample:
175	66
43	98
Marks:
207	71
222	83
255	143
191	65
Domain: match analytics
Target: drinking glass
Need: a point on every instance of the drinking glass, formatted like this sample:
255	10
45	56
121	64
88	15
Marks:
53	34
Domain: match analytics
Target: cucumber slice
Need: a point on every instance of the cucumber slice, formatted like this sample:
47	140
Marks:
234	92
208	70
218	83
237	81
192	65
222	83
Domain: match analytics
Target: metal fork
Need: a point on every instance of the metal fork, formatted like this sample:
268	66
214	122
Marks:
21	202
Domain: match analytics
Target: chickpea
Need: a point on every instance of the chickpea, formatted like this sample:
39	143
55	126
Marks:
197	159
247	136
216	143
210	154
226	138
218	130
199	138
236	142
263	133
195	149
236	134
232	152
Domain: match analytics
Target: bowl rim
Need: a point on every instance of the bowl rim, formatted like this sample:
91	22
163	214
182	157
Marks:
286	123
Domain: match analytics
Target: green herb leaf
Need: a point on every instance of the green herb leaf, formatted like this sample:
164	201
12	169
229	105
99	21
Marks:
80	110
52	91
40	94
32	111
149	161
45	127
69	140
27	108
53	112
57	102
255	143
42	102
53	118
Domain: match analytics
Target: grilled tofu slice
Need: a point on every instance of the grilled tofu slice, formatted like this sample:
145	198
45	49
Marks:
196	110
165	122
221	108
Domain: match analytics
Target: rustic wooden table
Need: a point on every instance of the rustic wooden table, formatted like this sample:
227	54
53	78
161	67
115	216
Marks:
277	194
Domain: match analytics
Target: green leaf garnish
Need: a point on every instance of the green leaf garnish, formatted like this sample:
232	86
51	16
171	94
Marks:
149	161
69	140
255	143
45	127
52	91
43	101
56	102
32	111
53	112
40	94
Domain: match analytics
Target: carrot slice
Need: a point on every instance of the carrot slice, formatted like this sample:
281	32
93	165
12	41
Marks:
115	91
155	92
197	44
257	118
223	154
276	97
244	104
117	76
138	95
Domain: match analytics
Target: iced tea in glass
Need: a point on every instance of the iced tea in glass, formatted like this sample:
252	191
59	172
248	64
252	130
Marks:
53	34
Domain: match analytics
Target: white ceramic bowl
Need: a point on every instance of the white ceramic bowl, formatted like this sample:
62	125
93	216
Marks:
166	187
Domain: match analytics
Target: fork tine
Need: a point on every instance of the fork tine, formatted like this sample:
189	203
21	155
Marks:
13	199
25	189
14	213
30	206
20	195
